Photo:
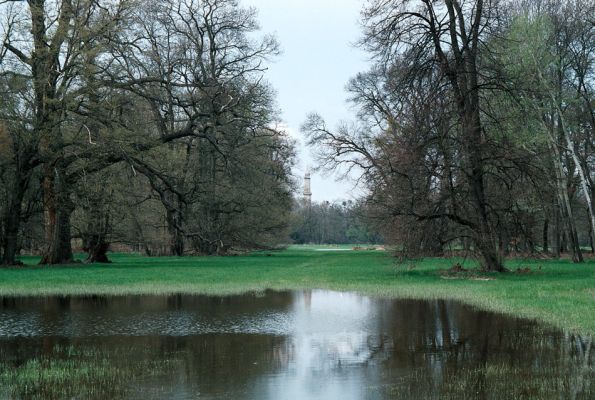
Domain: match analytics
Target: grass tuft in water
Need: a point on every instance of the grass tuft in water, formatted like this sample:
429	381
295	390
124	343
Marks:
70	372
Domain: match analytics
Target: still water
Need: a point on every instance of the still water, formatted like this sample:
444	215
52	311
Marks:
282	345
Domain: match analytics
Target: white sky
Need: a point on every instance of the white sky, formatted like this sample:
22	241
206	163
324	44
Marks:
318	59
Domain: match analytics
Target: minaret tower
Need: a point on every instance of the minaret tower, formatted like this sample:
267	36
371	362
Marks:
307	188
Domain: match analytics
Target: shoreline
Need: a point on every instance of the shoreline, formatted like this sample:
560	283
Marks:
555	292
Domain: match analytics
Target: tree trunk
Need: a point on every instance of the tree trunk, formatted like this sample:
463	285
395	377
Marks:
205	247
464	79
545	246
139	231
563	242
57	210
571	232
591	232
581	173
12	217
12	222
564	202
486	239
96	248
557	232
94	240
176	237
577	254
591	242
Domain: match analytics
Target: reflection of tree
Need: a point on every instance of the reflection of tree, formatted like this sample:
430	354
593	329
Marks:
580	365
100	315
452	346
406	348
215	362
208	363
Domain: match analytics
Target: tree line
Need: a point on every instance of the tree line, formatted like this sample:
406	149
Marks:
143	123
475	126
339	222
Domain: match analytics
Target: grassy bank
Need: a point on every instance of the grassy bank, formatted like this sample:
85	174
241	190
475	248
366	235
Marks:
556	292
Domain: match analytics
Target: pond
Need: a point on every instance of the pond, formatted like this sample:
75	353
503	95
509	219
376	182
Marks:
282	345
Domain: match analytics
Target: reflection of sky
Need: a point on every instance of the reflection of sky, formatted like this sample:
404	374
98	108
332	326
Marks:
325	354
292	345
329	341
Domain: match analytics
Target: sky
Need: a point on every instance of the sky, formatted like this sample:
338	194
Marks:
318	58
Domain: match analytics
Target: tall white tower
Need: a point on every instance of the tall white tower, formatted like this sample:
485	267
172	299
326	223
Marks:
307	188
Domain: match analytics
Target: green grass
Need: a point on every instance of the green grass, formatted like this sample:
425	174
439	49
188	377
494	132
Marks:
71	373
497	381
555	292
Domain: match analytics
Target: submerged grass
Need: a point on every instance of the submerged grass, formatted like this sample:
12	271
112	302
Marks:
77	372
67	373
559	293
498	382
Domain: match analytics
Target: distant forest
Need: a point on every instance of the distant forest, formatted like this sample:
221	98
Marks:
341	222
149	126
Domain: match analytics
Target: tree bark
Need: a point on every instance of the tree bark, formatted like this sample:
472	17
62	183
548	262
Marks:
464	79
57	210
12	217
557	232
565	207
486	239
96	248
12	221
94	240
546	225
581	173
176	236
591	242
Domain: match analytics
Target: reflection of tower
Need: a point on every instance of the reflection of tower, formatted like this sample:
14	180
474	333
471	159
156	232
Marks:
307	189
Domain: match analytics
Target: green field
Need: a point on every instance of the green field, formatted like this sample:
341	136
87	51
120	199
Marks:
556	292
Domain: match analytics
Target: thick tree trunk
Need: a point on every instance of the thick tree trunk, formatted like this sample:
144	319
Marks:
464	77
45	71
486	239
57	210
96	248
94	241
176	237
12	222
489	256
13	215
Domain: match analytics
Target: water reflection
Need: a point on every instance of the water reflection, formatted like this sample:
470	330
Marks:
300	345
